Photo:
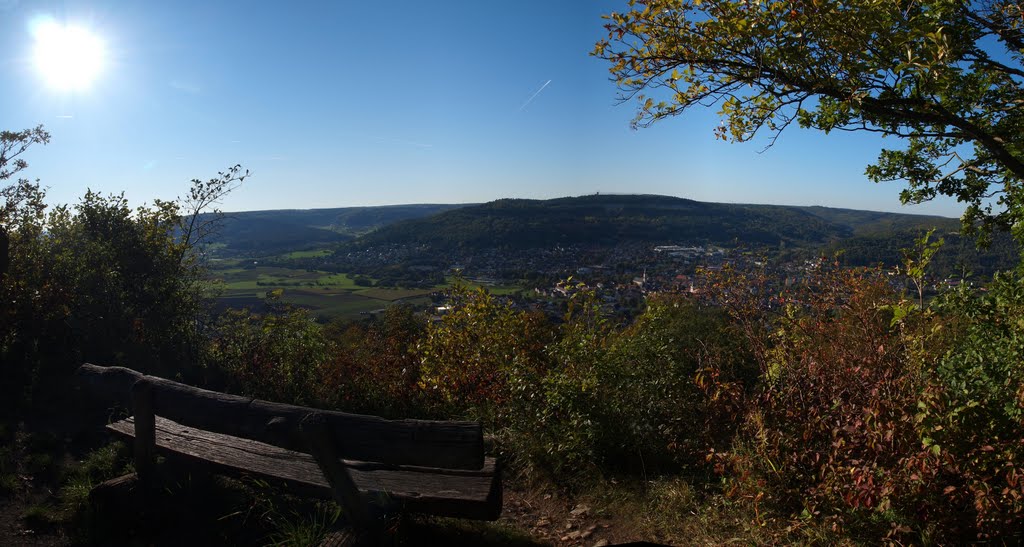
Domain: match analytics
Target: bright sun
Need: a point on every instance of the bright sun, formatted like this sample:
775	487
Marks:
68	57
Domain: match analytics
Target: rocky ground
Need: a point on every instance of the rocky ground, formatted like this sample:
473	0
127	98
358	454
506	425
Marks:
553	520
540	518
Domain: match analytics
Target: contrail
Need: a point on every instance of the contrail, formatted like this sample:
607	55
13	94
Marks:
528	101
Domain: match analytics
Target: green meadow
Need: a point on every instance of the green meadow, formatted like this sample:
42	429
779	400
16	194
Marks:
308	254
328	295
244	283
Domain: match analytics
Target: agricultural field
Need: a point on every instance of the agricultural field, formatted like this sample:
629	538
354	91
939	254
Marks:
326	295
244	284
308	254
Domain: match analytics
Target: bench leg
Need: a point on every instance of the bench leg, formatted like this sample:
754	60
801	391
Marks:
145	430
346	494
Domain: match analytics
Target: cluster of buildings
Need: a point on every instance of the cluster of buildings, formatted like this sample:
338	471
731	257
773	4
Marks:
621	277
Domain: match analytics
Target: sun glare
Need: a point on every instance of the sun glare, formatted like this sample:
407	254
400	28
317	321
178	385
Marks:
69	58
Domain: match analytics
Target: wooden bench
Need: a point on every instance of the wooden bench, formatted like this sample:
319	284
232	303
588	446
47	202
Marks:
369	465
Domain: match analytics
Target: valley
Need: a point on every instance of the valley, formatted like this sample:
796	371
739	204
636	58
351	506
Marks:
625	247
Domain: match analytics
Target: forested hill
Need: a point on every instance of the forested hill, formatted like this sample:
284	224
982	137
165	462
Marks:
865	237
610	219
865	223
290	229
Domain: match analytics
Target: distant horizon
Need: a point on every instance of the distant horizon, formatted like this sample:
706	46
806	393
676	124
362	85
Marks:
469	204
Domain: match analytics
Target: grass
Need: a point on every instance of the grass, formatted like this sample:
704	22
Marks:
679	510
271	277
390	294
326	302
41	516
64	510
328	295
504	290
224	263
308	254
99	465
337	305
40	463
309	528
104	462
74	495
40	456
243	299
499	290
8	483
304	530
8	477
458	532
341	281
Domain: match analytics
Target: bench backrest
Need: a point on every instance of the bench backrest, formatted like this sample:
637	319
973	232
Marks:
441	444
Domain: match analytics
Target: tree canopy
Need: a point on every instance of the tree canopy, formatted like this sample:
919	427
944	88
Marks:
947	76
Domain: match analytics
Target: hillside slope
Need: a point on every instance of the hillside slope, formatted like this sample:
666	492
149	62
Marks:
864	237
606	220
272	231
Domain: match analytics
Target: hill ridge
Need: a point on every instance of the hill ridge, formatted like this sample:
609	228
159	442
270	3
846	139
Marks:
647	218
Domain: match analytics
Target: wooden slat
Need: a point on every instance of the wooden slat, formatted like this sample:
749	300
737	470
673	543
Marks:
340	538
474	494
454	445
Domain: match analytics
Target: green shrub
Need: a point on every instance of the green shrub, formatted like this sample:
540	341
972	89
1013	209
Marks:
588	396
673	384
280	356
972	415
484	358
98	281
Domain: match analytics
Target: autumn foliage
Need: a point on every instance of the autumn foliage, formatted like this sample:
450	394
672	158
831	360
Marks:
834	401
876	417
829	398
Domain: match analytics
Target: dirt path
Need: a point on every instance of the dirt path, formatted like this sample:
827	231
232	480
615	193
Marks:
551	519
22	519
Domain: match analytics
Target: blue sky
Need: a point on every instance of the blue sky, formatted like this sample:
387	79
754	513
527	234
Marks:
338	104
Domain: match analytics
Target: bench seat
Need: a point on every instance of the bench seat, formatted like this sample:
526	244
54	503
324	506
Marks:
474	494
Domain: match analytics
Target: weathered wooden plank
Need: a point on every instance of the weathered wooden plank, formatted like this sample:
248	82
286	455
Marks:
114	493
455	445
340	538
113	384
323	449
474	494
